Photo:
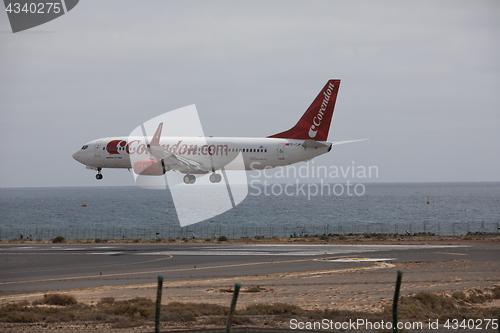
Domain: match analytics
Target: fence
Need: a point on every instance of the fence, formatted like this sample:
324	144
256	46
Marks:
250	231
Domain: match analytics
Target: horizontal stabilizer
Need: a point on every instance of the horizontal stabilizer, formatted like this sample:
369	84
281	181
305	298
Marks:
313	144
350	141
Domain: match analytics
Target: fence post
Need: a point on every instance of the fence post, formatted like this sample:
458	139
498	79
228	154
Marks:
237	287
395	302
158	303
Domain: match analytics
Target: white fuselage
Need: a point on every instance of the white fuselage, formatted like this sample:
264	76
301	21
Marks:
211	152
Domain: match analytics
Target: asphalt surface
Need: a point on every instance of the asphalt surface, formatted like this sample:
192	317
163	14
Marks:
48	267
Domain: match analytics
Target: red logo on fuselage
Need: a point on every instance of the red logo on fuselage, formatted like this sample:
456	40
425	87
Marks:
114	146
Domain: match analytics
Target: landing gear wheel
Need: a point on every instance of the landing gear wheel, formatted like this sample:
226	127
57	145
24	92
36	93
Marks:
189	179
98	176
215	178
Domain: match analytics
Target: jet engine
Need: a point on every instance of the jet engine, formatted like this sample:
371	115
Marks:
149	167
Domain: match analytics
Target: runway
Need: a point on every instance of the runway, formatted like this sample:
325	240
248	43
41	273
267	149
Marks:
50	267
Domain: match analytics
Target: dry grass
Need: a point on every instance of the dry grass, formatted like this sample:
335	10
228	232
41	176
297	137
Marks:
274	309
458	305
56	299
63	308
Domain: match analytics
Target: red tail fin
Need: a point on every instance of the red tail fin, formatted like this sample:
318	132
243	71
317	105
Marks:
315	123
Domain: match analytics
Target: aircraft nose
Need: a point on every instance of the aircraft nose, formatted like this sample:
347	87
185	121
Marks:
77	156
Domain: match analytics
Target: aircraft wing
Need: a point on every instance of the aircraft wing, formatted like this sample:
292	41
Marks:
169	158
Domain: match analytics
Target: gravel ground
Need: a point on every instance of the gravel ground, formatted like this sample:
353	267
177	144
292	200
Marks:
359	289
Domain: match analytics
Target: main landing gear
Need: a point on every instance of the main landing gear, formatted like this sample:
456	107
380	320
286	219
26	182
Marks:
189	179
99	175
215	178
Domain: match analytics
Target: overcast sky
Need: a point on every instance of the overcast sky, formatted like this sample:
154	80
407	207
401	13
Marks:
421	79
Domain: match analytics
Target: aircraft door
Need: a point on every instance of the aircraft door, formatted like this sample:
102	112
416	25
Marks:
97	149
281	151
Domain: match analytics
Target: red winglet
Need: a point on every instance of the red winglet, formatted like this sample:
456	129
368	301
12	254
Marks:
156	138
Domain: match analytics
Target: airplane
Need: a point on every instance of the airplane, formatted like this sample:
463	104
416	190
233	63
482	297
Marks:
156	155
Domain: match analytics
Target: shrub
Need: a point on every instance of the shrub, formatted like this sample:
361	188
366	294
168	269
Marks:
136	240
59	239
274	309
223	239
106	300
433	301
323	237
57	299
254	289
496	292
458	295
98	240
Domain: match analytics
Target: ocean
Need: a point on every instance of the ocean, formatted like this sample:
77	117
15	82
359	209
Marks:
111	212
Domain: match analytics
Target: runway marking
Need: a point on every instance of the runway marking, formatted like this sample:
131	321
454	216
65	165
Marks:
67	269
457	254
161	271
356	259
362	259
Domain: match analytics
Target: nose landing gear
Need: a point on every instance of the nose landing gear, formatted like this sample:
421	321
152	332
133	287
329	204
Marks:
99	175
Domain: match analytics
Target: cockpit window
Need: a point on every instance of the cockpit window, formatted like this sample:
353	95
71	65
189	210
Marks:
85	147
